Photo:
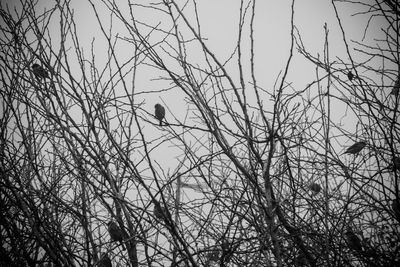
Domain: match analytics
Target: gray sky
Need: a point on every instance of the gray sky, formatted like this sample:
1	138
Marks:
219	26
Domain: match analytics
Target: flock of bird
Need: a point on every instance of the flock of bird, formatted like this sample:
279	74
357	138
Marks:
395	89
117	235
41	73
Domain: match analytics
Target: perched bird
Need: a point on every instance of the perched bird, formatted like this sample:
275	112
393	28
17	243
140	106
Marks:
225	245
396	163
353	241
396	209
104	261
159	112
227	251
159	211
115	232
350	75
316	188
396	87
39	71
355	148
300	259
213	255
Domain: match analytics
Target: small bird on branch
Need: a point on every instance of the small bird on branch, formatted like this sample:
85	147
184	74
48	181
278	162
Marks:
159	112
355	148
104	261
315	188
396	209
159	211
396	163
115	232
396	87
39	72
353	241
350	75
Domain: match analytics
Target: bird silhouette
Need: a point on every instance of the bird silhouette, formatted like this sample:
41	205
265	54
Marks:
159	112
353	241
213	255
355	148
396	163
115	232
39	71
227	251
159	211
300	260
104	261
396	87
316	188
396	209
350	75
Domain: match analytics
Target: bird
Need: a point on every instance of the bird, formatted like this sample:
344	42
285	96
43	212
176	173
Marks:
353	241
159	112
316	188
213	255
396	209
300	259
115	232
396	87
396	163
227	251
350	75
159	211
39	71
104	261
355	148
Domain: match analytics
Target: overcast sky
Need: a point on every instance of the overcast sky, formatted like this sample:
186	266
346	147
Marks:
219	27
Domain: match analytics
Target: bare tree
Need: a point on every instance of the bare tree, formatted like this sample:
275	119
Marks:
239	174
